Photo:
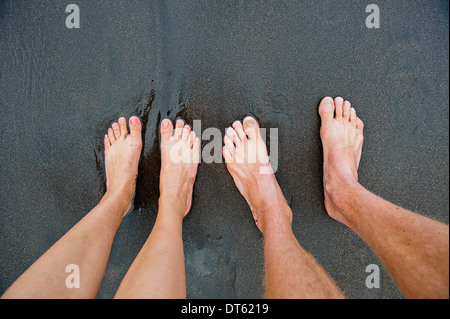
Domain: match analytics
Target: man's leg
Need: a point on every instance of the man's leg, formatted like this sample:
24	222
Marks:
414	249
158	270
88	243
290	271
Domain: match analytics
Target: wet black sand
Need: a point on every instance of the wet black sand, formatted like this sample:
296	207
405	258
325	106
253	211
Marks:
217	61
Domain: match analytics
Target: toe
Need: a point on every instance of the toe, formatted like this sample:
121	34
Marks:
166	130
135	127
239	130
191	139
231	133
227	155
346	112
123	127
116	129
251	128
196	151
326	109
338	103
353	117
360	125
229	144
178	130
186	133
111	136
107	143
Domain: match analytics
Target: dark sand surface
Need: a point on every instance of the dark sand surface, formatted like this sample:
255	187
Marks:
218	61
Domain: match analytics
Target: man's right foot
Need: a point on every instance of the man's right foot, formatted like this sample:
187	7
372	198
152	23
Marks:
248	163
342	139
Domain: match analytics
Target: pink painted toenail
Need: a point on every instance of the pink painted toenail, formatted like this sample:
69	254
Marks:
165	123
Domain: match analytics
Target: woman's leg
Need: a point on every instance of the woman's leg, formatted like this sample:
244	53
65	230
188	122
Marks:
158	271
87	245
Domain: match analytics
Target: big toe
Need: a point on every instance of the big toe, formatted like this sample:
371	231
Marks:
135	127
326	109
251	127
166	130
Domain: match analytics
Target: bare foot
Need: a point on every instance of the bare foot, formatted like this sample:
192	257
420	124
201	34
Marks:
248	163
180	156
122	153
342	139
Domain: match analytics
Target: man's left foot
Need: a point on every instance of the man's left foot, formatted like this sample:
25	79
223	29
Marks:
247	160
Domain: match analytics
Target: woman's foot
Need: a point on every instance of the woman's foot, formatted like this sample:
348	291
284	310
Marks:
122	153
342	139
180	156
248	163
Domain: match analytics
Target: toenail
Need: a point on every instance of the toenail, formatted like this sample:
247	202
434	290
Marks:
165	124
329	100
250	123
180	122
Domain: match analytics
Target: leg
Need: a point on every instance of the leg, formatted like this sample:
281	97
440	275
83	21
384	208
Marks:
158	271
88	243
291	272
414	249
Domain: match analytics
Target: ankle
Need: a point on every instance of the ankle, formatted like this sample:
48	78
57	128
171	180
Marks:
120	199
278	220
339	194
342	201
173	205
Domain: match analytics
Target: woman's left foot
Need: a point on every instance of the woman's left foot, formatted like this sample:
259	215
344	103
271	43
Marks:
122	153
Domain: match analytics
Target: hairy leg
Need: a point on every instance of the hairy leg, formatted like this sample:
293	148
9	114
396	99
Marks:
290	271
414	249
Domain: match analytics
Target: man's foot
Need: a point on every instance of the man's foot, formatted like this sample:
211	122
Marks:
342	139
122	153
180	156
248	163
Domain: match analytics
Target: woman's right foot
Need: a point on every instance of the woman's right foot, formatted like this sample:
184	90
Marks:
248	163
180	156
342	139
